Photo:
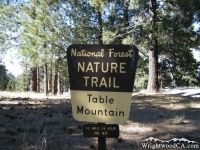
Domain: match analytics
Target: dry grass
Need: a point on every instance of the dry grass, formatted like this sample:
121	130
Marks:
38	124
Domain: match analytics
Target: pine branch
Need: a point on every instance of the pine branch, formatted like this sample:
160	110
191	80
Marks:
56	45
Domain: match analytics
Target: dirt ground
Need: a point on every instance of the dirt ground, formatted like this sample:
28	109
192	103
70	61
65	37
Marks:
47	123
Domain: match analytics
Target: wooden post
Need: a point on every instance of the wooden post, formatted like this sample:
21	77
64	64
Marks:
101	141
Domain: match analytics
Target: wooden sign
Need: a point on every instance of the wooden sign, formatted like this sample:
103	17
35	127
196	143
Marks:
101	130
101	81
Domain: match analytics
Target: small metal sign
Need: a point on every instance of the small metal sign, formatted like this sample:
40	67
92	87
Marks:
101	130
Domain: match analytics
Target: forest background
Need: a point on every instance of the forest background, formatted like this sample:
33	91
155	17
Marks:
40	31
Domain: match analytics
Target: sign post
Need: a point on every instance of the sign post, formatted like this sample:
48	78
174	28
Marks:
101	83
102	143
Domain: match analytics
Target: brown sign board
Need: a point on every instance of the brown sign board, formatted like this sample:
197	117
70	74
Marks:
101	81
101	130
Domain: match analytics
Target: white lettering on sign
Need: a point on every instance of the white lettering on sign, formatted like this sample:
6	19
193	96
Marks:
100	82
104	67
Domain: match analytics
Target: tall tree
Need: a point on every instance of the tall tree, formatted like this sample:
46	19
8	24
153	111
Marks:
3	77
9	26
41	35
177	37
153	49
169	28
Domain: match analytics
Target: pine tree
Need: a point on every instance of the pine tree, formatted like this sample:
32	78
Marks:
162	30
22	82
153	49
41	36
3	77
10	85
169	28
178	36
9	25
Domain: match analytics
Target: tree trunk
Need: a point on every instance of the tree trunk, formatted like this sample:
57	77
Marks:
38	79
55	84
163	71
33	86
31	80
153	68
58	83
174	78
26	84
50	80
45	79
153	51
